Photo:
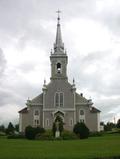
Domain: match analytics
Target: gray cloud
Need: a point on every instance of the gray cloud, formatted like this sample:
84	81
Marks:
34	21
2	63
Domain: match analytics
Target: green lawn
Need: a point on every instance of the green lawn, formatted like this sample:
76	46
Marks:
71	149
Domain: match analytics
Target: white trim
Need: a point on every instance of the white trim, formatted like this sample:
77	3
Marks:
43	106
47	122
81	104
60	116
98	122
36	117
20	122
60	109
74	111
82	117
36	109
36	104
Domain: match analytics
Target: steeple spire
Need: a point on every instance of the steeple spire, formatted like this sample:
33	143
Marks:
59	45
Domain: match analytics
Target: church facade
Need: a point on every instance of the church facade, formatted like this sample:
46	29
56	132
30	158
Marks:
59	98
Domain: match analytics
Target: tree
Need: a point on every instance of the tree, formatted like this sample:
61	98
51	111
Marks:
2	128
109	126
10	129
118	123
81	130
30	132
54	129
17	127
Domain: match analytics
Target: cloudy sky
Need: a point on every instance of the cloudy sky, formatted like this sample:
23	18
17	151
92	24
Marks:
91	33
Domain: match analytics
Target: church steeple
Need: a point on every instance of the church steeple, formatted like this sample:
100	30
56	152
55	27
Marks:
59	57
58	45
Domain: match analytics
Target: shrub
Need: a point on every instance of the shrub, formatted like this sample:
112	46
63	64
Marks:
47	135
2	133
30	132
68	135
81	130
10	129
95	134
16	136
118	123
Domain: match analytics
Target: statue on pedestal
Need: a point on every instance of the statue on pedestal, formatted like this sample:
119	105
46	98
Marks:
57	133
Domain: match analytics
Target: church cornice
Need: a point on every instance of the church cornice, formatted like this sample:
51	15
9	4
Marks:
35	104
82	104
60	109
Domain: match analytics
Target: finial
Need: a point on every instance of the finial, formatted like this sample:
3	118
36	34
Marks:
65	51
28	99
58	12
73	81
51	51
44	81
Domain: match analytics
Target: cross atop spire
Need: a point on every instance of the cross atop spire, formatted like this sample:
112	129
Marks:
59	45
58	12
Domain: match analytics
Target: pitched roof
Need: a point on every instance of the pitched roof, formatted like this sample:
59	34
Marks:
38	99
80	99
24	110
94	110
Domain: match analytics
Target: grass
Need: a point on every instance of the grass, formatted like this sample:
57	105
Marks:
105	146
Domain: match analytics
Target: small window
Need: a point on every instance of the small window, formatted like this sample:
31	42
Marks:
36	123
58	68
82	120
47	122
57	99
36	112
61	99
71	122
81	112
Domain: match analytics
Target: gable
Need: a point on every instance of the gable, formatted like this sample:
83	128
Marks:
38	99
80	99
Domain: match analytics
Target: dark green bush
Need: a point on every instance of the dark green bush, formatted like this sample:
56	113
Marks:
81	130
10	129
30	132
16	136
2	134
95	134
47	135
68	135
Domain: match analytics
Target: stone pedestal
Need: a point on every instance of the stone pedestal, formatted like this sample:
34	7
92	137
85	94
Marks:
57	134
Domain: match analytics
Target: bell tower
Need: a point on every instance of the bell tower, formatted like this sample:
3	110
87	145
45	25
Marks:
58	57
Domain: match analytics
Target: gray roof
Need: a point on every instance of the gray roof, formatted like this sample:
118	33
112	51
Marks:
24	110
37	100
80	99
94	110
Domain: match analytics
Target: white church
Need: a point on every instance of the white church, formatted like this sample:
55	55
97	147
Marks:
59	97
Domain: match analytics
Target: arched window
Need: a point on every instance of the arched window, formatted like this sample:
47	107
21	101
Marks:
36	117
71	121
36	112
59	99
81	115
58	67
47	122
81	112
